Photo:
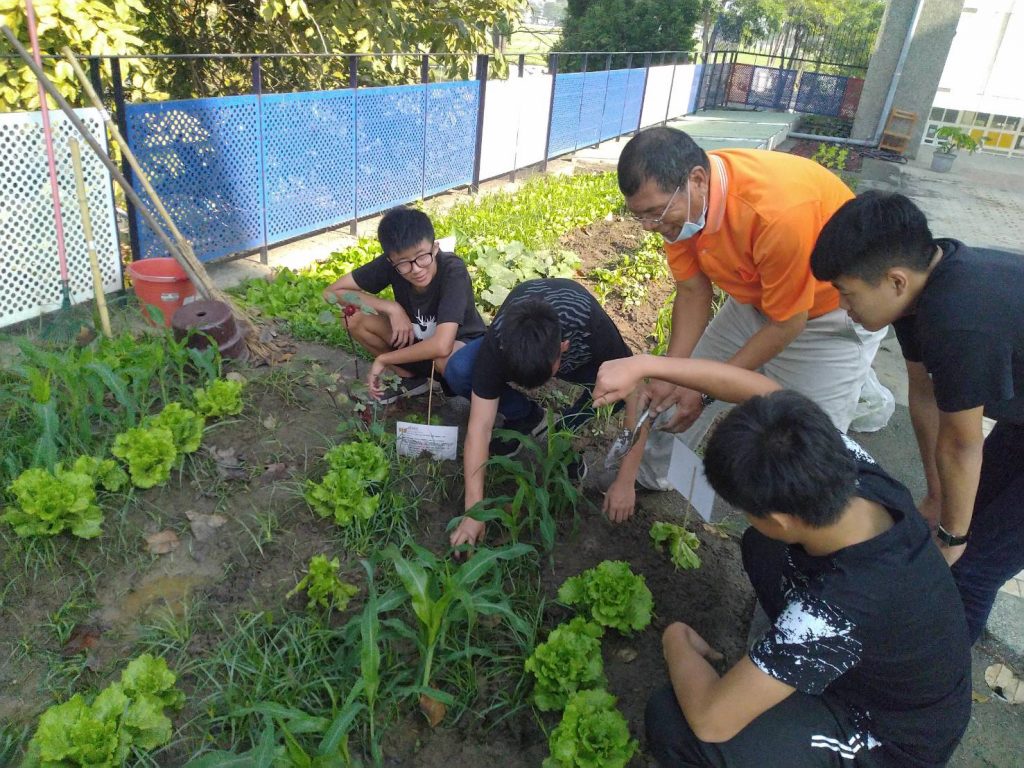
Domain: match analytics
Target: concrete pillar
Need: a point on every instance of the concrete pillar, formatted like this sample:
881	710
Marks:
922	69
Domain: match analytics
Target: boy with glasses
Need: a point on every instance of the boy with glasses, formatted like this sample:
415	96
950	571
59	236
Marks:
433	313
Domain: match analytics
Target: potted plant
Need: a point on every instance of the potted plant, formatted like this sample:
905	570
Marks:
951	139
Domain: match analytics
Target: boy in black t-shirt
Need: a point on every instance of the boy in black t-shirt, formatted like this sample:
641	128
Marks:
545	328
866	661
959	317
433	314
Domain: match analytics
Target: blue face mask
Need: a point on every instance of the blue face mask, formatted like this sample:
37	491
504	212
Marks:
690	228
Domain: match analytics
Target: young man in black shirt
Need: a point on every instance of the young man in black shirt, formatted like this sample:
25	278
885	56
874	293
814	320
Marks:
433	314
959	317
544	328
866	661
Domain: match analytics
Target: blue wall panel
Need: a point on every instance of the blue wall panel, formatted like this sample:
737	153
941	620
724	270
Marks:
771	87
565	113
595	85
634	99
615	100
820	94
452	110
308	161
695	89
202	157
389	160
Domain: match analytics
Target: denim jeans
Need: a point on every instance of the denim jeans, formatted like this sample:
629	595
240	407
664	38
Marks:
995	550
514	405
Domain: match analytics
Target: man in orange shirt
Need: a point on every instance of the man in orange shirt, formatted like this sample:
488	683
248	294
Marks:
746	221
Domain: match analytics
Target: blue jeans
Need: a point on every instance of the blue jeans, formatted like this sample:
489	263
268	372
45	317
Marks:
995	550
514	405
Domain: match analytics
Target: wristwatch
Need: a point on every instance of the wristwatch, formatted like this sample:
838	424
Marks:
706	400
947	539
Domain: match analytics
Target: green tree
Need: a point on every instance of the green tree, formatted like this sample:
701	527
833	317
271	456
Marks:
629	25
94	27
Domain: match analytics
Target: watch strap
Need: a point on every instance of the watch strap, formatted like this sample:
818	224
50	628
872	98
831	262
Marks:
948	539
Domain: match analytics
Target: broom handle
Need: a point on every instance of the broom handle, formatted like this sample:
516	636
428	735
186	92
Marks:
70	57
90	245
58	221
96	147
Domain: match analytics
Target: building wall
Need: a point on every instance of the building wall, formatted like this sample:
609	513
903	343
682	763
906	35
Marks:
922	68
982	85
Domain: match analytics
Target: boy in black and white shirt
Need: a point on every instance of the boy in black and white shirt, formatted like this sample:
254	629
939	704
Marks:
866	661
433	314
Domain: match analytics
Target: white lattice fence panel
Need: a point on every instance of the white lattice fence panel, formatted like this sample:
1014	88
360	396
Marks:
515	123
659	83
29	266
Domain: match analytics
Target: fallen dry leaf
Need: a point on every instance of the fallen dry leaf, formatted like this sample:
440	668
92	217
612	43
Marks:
714	530
83	638
627	654
230	465
270	422
1004	683
274	472
432	709
204	526
978	698
162	542
235	376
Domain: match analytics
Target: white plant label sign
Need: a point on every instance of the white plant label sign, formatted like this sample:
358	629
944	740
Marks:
416	439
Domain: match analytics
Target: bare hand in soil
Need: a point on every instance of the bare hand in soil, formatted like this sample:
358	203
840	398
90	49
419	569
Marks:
470	531
373	382
620	501
686	401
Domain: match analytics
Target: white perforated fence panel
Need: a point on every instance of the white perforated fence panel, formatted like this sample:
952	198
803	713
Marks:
29	266
515	123
659	82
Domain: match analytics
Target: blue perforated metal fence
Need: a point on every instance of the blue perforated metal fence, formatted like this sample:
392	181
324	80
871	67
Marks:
308	161
240	173
202	157
821	94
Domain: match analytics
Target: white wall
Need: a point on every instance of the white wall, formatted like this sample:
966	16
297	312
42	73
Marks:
515	124
985	68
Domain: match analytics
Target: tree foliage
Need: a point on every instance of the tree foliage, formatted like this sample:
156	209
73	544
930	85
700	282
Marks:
629	25
90	27
379	29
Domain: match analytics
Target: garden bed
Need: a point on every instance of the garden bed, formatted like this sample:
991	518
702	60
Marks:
198	571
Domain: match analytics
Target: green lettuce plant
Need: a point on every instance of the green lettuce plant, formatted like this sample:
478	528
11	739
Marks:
682	544
568	661
126	714
105	473
592	734
185	426
50	503
615	595
149	453
323	586
347	490
221	397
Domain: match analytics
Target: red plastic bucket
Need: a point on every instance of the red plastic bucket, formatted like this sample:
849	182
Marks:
162	283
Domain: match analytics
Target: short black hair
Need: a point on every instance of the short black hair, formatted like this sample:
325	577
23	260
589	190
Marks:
781	453
402	228
531	341
870	234
664	154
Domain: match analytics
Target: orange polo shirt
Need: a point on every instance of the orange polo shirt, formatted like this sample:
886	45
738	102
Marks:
764	215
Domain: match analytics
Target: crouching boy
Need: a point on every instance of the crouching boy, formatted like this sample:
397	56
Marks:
433	313
866	661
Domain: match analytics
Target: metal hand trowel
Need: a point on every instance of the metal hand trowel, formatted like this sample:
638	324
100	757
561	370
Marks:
625	441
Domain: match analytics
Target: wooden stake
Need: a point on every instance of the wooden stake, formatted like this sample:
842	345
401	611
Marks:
430	391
